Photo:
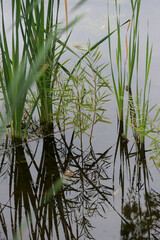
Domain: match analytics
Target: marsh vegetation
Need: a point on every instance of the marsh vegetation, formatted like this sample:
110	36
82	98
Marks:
59	185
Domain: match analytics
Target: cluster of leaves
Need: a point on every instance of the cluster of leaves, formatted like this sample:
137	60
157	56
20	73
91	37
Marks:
80	101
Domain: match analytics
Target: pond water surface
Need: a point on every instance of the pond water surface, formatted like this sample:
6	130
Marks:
54	188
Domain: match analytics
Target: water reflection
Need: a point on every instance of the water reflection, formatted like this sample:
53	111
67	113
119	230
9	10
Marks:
143	218
39	209
140	204
57	188
130	161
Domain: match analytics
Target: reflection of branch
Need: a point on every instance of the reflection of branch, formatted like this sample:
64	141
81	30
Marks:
92	184
98	159
101	193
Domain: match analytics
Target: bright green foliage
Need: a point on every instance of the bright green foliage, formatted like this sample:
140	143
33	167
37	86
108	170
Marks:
81	102
14	75
17	76
119	84
38	29
123	79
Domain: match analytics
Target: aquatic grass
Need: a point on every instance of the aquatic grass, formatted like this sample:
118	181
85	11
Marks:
16	79
119	79
13	70
119	85
140	110
145	104
36	29
15	73
123	78
133	61
126	73
39	27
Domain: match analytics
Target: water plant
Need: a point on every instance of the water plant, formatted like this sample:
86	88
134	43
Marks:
119	85
81	101
39	26
128	71
14	79
123	77
76	98
132	103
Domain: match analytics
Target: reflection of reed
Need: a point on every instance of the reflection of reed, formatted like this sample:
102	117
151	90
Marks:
49	214
39	203
124	164
132	165
144	221
22	188
51	208
65	214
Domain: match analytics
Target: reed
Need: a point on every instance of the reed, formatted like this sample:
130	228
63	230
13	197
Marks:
38	30
125	74
138	106
119	84
132	103
124	69
142	97
14	74
17	77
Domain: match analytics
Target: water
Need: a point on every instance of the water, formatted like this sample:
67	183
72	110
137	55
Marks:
87	198
90	204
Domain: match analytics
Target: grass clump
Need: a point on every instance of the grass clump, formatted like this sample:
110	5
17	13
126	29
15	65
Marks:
35	57
127	72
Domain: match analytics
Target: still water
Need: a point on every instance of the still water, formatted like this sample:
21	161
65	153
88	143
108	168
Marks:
110	191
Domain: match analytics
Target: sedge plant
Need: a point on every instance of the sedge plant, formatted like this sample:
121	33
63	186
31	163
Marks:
39	25
17	76
124	77
14	71
119	84
140	109
125	73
